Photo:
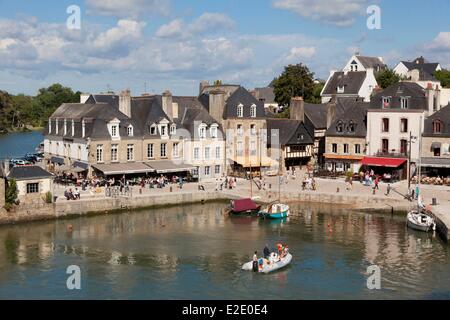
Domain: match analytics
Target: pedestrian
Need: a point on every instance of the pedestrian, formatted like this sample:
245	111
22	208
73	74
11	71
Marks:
376	183
388	189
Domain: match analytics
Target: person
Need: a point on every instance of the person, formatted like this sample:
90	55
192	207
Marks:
77	194
255	262
388	189
266	251
377	180
280	248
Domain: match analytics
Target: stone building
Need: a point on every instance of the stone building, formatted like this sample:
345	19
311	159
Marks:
436	143
33	183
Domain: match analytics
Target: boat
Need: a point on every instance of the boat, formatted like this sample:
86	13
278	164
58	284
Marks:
275	211
244	206
271	264
421	221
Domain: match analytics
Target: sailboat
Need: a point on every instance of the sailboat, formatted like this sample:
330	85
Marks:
419	219
276	210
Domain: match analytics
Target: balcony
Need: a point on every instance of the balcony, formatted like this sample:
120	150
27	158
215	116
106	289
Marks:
391	154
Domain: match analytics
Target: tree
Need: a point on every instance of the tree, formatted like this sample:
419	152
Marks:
386	77
296	80
218	82
316	97
444	77
11	194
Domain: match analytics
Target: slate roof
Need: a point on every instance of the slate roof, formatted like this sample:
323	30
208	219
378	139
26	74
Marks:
317	113
429	68
371	62
111	99
416	95
242	96
355	114
291	132
265	94
28	173
352	82
444	116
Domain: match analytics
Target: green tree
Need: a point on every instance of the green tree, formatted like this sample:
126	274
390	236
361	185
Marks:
444	77
11	194
387	77
296	80
218	82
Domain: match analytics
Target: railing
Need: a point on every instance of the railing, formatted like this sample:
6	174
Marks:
114	192
391	154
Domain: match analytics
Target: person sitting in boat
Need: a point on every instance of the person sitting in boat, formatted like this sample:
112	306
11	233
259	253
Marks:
260	264
266	251
255	262
280	248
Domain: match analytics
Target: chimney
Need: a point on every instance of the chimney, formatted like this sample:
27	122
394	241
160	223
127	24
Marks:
430	98
297	109
125	102
331	111
167	104
438	98
203	85
217	105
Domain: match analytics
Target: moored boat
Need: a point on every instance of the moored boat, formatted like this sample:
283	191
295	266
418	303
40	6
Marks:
420	221
244	206
275	211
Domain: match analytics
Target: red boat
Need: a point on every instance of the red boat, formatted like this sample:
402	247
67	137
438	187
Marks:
244	206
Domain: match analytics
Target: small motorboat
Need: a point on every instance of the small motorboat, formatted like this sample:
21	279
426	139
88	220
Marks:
244	207
275	211
420	221
269	265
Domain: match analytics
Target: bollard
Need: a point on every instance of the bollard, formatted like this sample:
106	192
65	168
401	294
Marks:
140	190
171	189
433	202
337	190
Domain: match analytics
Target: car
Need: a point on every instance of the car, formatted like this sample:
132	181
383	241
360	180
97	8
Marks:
19	162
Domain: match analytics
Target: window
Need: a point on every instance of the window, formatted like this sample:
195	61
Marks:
334	148
253	111
403	146
240	130
240	111
385	125
385	145
437	126
73	128
114	149
386	102
49	125
202	132
130	131
404	103
114	131
100	153
345	148
163	130
218	153
239	151
173	129
437	152
32	187
217	169
253	148
130	152
196	153
195	172
340	89
175	150
83	128
351	127
163	150
357	148
150	151
207	153
152	129
207	170
404	125
213	131
340	127
253	129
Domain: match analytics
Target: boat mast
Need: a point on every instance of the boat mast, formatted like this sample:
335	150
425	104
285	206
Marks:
419	171
279	178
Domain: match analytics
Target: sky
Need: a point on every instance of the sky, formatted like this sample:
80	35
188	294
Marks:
157	45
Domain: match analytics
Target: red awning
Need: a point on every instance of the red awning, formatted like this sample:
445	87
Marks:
383	162
244	205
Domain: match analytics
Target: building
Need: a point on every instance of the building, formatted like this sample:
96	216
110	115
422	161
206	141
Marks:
435	144
291	140
33	183
356	80
115	135
396	114
346	139
267	96
426	69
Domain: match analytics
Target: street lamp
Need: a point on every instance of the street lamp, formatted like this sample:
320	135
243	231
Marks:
412	139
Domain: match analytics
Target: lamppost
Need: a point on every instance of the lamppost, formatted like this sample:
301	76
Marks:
410	142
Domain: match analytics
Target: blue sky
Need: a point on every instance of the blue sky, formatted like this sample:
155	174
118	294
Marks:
173	44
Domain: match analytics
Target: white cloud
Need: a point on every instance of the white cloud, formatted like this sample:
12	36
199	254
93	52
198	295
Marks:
297	54
335	12
173	29
128	8
441	42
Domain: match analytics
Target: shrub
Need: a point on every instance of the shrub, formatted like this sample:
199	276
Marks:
48	197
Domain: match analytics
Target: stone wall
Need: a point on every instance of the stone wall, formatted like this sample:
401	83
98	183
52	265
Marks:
426	146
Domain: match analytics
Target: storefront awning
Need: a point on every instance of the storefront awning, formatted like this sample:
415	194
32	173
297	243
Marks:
81	165
435	145
436	162
122	168
168	166
57	160
343	157
383	162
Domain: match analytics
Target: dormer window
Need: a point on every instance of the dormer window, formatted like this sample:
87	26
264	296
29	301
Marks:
340	89
351	127
354	66
73	128
386	102
213	131
340	127
202	131
437	126
240	111
152	130
130	132
163	130
404	103
114	131
253	111
173	129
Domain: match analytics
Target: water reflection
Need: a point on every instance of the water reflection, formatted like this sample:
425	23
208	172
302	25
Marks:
196	252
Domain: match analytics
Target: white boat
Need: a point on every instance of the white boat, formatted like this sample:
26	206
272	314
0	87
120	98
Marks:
270	265
420	221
